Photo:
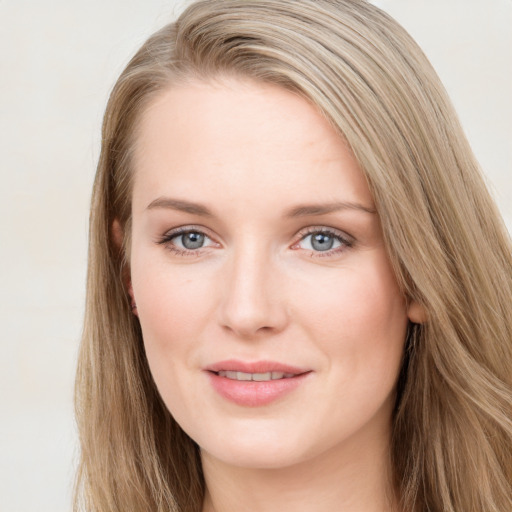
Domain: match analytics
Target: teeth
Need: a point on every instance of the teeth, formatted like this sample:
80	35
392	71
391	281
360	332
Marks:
258	377
262	376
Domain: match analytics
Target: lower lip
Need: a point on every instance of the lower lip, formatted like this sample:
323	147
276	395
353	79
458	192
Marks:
254	393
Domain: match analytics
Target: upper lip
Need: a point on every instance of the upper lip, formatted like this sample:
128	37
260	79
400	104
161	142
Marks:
234	365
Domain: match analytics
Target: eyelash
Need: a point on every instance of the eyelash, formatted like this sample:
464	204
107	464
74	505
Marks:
345	241
166	241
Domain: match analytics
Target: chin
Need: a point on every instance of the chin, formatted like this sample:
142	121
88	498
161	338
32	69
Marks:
256	456
261	447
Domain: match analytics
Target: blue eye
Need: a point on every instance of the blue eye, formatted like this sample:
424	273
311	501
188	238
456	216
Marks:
191	240
323	241
186	241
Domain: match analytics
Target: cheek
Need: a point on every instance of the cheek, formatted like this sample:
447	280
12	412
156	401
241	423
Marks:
358	323
172	309
169	297
173	305
358	319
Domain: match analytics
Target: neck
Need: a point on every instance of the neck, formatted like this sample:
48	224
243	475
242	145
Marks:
353	478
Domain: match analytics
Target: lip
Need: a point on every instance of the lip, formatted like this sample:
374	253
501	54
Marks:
255	393
234	365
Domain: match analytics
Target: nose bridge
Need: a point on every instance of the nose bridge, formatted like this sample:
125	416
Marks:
251	300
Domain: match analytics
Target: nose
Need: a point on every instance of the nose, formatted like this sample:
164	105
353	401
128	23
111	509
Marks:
253	298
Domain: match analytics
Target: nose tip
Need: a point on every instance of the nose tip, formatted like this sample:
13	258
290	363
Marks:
252	304
246	323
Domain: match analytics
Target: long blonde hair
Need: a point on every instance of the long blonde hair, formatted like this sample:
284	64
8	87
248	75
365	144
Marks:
452	433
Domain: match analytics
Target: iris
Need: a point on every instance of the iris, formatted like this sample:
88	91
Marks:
321	241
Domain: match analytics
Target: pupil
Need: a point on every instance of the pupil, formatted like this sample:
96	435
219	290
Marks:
192	240
322	242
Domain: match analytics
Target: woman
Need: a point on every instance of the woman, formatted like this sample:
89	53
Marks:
299	291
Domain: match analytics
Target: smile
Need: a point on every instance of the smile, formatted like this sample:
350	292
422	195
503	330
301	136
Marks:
258	377
255	384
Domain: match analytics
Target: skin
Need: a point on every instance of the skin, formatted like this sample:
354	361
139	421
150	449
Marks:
258	290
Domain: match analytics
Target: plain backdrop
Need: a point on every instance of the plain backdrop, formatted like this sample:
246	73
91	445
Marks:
58	62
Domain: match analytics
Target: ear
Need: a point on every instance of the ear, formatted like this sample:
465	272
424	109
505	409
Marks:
117	235
416	312
133	304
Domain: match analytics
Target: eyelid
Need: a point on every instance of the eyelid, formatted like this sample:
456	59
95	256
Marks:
325	229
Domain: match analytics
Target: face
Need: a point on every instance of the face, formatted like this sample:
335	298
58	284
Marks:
272	321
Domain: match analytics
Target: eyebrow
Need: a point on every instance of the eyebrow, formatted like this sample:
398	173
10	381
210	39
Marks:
297	211
323	209
180	205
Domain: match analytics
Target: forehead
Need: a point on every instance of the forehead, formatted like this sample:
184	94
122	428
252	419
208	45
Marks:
241	138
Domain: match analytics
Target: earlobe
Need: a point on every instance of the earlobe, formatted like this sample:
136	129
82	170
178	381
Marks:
416	313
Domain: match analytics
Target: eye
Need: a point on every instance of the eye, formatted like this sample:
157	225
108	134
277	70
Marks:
322	240
186	241
191	240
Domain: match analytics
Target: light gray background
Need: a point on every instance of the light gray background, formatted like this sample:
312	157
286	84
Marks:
58	62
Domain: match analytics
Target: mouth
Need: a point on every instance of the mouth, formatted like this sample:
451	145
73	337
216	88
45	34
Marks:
257	371
258	377
255	384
